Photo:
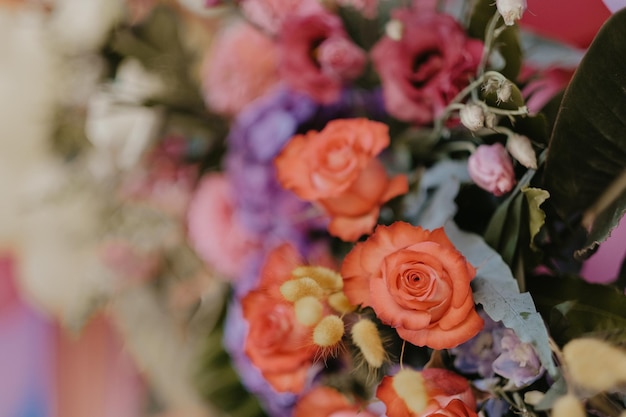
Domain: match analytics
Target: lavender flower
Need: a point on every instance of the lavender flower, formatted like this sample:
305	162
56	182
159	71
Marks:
518	361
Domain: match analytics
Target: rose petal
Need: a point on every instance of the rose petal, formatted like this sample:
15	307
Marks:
436	338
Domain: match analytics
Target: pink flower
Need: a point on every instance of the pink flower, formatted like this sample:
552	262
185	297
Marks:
491	168
269	15
427	67
240	66
213	229
317	57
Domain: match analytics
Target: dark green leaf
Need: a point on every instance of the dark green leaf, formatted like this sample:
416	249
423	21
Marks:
588	145
576	308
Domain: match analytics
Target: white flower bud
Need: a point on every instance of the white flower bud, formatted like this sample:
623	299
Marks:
491	120
504	92
472	117
394	29
522	150
511	10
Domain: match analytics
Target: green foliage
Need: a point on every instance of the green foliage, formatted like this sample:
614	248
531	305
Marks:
536	216
575	308
588	146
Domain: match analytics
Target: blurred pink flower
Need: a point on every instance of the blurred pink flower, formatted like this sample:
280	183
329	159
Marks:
240	66
317	56
213	230
547	84
491	168
269	15
427	67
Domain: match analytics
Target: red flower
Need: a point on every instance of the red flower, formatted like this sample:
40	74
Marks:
341	173
432	392
317	56
417	282
424	70
326	402
277	343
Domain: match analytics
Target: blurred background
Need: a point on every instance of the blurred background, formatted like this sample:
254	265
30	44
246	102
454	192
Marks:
89	326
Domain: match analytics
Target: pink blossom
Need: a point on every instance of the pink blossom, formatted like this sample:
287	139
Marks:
491	168
240	66
317	57
213	229
269	15
428	65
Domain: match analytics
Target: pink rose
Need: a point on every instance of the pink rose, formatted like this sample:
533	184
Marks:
491	168
240	66
425	69
317	57
213	230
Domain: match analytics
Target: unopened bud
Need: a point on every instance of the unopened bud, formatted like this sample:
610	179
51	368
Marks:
491	120
394	29
325	277
340	303
511	10
568	406
328	331
504	92
409	385
522	150
472	117
533	397
366	337
308	310
295	289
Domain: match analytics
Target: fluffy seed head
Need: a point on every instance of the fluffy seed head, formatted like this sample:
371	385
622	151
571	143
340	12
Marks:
295	289
595	364
568	406
366	337
325	277
308	310
409	385
328	331
339	302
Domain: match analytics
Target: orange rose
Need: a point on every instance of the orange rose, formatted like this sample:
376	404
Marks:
337	168
432	392
276	343
417	282
325	402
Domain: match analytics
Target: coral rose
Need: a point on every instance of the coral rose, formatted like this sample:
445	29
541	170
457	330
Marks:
326	402
491	168
417	282
341	173
317	56
427	67
277	344
431	392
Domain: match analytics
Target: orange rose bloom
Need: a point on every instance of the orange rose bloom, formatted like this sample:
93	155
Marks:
325	402
432	392
417	282
276	343
338	169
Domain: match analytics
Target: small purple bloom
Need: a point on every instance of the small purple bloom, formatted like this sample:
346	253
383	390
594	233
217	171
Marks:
518	361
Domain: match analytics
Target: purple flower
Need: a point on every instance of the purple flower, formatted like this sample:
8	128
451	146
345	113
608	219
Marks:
477	354
518	361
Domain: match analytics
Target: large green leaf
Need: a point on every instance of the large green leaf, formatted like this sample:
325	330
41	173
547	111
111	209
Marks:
588	146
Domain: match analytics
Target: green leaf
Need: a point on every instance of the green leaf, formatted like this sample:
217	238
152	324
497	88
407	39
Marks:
536	216
577	308
507	44
496	290
588	146
503	231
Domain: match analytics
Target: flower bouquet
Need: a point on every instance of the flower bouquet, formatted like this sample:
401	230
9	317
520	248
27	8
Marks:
381	208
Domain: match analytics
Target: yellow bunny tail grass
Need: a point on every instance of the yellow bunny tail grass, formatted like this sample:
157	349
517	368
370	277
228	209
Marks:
325	277
295	289
328	332
366	337
568	406
339	302
595	364
308	310
409	385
